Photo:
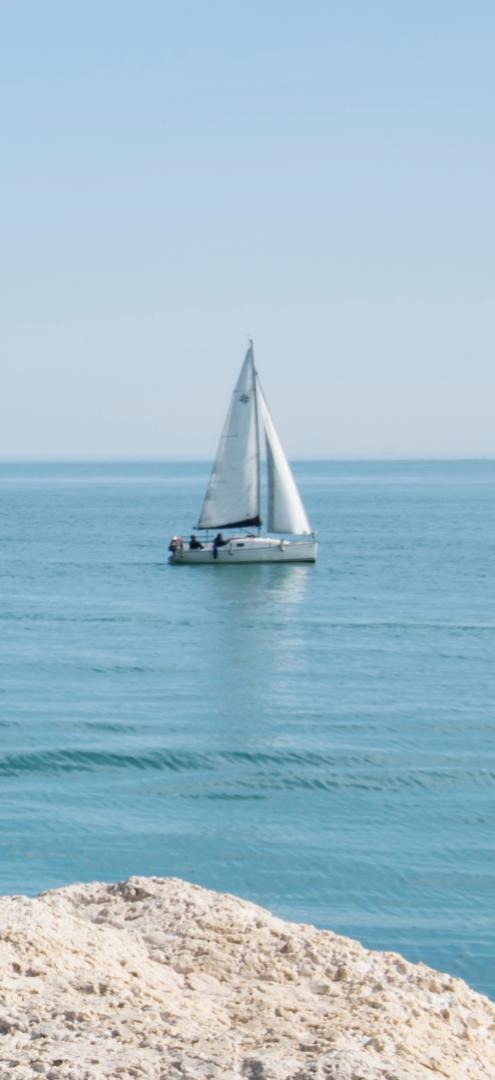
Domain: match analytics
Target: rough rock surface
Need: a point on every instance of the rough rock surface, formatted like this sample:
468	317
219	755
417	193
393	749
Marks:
158	978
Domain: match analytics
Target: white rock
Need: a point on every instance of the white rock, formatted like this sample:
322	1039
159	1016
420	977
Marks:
155	978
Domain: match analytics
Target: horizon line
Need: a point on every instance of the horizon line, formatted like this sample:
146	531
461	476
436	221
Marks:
188	459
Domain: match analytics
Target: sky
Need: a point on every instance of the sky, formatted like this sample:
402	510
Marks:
178	177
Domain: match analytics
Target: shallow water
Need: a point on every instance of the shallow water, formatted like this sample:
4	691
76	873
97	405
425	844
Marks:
319	739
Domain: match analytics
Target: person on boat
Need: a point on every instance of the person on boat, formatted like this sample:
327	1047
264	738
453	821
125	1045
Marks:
194	543
218	542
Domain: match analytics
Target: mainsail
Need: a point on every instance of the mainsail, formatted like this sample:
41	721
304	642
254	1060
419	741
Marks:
233	494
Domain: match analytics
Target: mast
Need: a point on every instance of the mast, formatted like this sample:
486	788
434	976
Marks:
257	425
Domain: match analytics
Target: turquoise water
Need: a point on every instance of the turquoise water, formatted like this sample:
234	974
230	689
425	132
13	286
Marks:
320	739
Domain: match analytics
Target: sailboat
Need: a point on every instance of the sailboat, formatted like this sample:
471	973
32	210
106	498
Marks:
233	494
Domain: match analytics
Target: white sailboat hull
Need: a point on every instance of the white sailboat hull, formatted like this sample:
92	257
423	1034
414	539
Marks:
247	549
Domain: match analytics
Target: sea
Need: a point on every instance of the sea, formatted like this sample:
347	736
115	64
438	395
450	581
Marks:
319	739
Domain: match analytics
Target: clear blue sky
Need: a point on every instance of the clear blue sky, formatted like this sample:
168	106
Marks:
178	176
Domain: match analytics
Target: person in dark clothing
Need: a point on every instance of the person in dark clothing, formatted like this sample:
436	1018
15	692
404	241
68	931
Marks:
218	542
194	543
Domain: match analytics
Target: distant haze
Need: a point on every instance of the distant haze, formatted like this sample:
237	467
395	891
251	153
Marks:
179	177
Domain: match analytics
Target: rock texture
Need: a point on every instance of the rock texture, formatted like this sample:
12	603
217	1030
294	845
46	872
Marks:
158	978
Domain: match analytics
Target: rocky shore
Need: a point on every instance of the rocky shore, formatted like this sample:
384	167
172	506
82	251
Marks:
162	979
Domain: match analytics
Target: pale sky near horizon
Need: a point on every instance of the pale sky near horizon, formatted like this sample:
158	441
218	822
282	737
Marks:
177	177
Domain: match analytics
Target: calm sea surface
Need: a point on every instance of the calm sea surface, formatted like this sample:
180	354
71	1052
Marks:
319	739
